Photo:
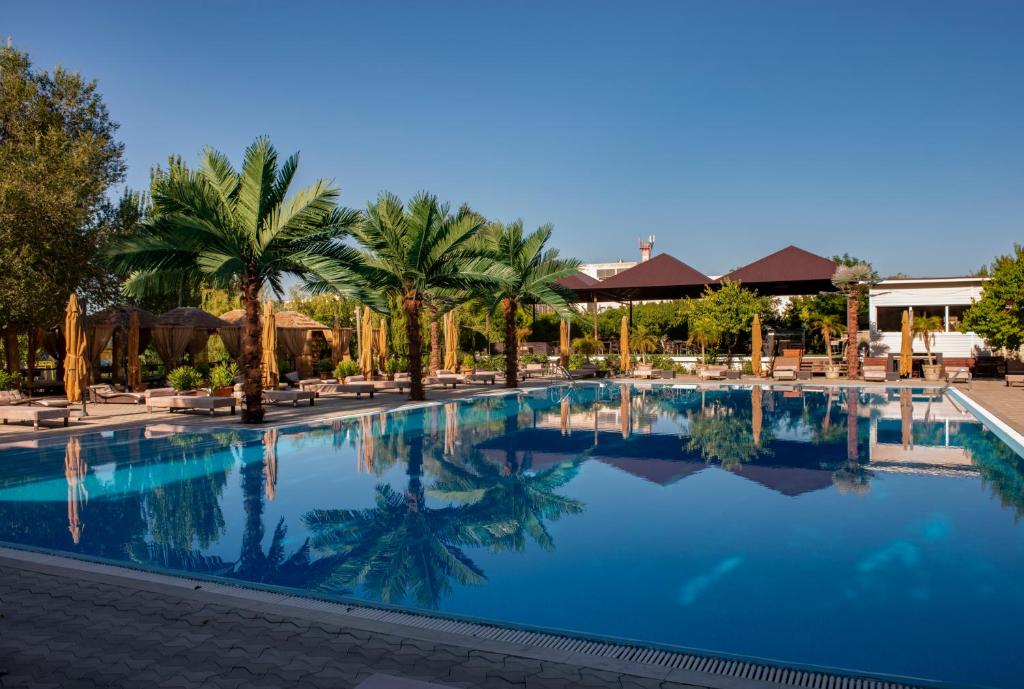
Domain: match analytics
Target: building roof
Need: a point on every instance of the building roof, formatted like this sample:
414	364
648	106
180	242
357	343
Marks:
661	271
578	281
788	265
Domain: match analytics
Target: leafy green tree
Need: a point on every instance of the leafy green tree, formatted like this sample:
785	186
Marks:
828	324
419	254
721	316
58	160
643	341
239	230
530	274
998	316
924	327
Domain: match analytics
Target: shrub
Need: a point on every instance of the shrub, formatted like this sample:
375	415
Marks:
345	369
396	364
325	366
185	378
576	360
468	361
223	376
9	381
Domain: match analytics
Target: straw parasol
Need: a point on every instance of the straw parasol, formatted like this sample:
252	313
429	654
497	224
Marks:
755	345
271	374
382	345
366	343
906	345
756	414
74	471
270	462
336	342
563	342
134	370
451	342
627	363
74	362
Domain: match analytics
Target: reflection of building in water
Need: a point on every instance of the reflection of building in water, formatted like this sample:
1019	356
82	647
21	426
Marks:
918	431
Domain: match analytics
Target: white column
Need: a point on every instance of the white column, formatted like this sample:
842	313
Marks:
946	317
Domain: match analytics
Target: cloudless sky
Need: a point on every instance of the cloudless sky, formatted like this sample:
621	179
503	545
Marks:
893	130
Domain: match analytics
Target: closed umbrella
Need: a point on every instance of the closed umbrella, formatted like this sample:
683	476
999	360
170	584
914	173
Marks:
75	360
134	370
906	345
627	363
271	374
366	344
382	345
336	342
755	345
451	342
563	342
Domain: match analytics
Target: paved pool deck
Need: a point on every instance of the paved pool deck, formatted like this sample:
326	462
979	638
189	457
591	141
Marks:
68	623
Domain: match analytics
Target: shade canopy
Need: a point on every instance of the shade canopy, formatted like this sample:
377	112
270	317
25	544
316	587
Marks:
788	271
190	317
662	277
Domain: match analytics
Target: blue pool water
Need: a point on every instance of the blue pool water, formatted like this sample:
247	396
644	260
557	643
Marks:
872	531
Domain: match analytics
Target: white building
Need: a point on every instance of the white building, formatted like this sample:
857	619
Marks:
946	298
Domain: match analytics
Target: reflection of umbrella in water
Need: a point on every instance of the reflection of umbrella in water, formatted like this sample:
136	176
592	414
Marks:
564	415
755	415
451	427
907	417
624	410
270	462
74	471
366	449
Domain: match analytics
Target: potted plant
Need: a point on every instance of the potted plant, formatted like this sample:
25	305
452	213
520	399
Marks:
925	327
185	379
344	369
222	380
325	367
468	364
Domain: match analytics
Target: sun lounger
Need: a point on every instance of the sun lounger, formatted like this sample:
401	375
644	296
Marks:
958	374
346	388
399	385
874	373
1014	379
190	402
533	370
17	398
444	380
784	373
712	372
643	371
293	396
311	383
487	377
34	414
106	394
584	371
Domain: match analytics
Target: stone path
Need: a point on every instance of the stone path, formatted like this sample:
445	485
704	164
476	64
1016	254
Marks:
72	630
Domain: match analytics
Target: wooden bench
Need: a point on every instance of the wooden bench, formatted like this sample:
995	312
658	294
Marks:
34	414
190	403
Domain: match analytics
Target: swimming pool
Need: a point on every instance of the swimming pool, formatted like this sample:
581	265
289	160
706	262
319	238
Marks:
869	530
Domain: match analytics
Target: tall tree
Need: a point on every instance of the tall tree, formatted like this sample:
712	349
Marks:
531	271
240	230
998	316
420	254
58	159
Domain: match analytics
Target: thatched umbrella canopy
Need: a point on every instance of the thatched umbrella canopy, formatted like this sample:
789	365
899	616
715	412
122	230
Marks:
184	329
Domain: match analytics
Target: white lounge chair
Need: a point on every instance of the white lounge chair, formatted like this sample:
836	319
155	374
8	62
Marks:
712	372
958	374
293	396
874	373
34	414
190	403
106	394
357	389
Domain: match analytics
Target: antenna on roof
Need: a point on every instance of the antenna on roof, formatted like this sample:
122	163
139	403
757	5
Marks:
645	248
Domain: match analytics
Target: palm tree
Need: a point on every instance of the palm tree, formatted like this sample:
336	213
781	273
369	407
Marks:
419	255
643	341
853	281
531	274
923	327
239	230
828	324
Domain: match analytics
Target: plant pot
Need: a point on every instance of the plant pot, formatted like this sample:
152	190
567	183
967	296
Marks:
931	372
832	372
225	391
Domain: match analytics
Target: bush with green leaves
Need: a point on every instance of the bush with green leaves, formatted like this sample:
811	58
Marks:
223	376
397	364
325	365
9	381
185	378
468	361
344	369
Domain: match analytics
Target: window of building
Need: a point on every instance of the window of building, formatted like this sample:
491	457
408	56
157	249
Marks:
956	314
890	318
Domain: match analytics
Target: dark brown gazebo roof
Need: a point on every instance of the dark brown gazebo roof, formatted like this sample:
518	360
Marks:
284	320
579	281
662	277
190	317
788	271
118	315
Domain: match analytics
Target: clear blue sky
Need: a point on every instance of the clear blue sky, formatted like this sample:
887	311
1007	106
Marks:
892	130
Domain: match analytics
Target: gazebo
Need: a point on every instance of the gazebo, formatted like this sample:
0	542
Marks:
111	326
788	271
181	330
295	334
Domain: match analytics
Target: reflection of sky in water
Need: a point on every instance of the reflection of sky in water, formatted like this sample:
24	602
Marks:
711	521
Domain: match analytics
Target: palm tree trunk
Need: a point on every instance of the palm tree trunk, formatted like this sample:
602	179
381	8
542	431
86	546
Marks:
509	308
252	352
412	304
852	312
435	342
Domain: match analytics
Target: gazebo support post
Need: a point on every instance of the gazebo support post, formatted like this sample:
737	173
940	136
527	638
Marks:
631	314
